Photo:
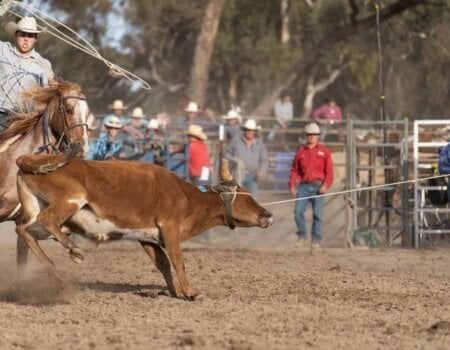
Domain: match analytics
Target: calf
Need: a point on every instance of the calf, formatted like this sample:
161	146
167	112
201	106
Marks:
129	200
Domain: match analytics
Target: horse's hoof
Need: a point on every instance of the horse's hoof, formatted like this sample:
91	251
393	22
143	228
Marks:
76	255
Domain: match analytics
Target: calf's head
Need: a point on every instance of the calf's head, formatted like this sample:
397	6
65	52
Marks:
240	208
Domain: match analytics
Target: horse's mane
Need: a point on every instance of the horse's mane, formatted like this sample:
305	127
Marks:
42	96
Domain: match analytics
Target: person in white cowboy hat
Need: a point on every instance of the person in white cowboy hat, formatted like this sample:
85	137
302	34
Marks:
198	156
21	68
311	175
118	110
154	143
232	127
249	156
137	131
108	146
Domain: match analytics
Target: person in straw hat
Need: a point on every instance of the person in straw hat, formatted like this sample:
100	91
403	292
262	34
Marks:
21	68
136	132
198	156
249	156
108	146
311	175
118	110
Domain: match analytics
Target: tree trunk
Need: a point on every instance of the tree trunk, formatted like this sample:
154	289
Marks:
285	33
304	64
203	50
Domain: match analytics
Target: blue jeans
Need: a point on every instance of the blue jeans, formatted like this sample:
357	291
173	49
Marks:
251	184
306	190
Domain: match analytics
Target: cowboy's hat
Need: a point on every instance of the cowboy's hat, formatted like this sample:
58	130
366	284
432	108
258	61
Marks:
114	123
232	114
312	129
153	124
137	113
118	104
250	124
26	25
196	131
192	107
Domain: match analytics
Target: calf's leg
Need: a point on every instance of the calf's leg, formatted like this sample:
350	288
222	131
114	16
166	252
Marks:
173	247
162	263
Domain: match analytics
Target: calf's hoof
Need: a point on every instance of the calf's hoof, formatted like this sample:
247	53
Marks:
76	255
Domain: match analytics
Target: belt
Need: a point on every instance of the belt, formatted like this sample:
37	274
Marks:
313	182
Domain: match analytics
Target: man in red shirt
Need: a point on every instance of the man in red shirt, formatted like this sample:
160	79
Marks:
311	175
198	163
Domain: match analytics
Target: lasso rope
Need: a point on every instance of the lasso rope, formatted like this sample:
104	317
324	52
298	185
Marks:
85	47
356	190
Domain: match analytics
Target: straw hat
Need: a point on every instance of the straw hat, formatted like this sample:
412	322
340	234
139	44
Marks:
250	124
153	124
312	129
90	121
114	123
192	107
232	114
26	25
196	131
137	113
118	104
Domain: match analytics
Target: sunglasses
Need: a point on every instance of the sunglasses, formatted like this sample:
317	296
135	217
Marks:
26	35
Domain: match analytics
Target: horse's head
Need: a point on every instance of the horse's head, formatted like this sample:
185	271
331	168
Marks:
65	110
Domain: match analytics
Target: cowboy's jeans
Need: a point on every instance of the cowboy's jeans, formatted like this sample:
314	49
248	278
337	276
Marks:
306	190
251	184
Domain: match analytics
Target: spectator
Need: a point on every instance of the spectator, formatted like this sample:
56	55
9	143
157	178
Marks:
91	129
283	111
198	156
248	155
107	145
329	112
192	111
21	68
136	130
154	143
118	109
311	175
232	128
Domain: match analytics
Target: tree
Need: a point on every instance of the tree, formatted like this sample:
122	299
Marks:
203	50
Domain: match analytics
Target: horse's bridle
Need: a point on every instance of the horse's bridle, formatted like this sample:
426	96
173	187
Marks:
66	127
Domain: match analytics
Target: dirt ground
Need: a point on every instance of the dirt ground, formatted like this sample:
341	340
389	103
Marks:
264	298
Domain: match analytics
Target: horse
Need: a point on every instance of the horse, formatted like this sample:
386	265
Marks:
59	120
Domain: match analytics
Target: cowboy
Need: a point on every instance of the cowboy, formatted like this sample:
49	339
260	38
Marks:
108	146
232	127
118	109
91	131
311	175
198	156
21	68
249	155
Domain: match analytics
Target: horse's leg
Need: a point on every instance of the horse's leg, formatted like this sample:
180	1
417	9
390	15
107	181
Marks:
21	253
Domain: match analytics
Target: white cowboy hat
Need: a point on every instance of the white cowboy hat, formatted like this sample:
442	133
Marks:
232	114
153	124
114	123
192	107
90	121
137	113
312	129
118	104
26	25
250	124
196	131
